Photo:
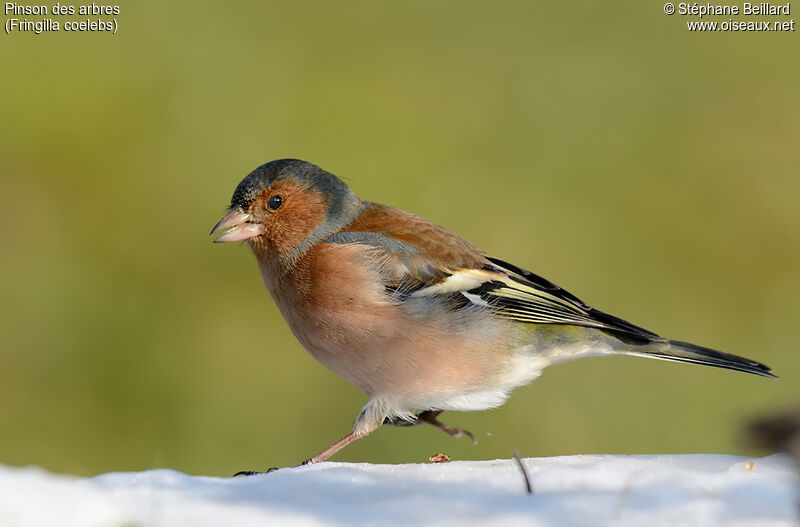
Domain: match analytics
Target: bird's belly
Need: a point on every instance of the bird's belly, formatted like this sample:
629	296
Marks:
415	363
419	353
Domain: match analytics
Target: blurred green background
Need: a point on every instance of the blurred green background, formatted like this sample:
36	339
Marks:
650	170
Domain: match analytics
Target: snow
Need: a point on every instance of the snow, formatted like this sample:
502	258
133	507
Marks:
687	490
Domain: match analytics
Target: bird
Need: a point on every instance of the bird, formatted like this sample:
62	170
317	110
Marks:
418	318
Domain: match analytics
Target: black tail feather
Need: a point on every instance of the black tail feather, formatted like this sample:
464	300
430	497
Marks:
690	353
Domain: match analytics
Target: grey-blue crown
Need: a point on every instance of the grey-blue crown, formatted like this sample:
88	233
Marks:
338	193
302	171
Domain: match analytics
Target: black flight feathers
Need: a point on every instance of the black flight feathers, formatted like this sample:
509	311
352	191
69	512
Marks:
563	307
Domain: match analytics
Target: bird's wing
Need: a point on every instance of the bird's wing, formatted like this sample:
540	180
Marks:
411	252
402	267
516	294
419	259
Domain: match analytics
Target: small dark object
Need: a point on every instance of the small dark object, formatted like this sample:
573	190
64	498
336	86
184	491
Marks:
778	432
521	465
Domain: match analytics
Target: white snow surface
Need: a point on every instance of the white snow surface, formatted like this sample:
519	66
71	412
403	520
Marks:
686	490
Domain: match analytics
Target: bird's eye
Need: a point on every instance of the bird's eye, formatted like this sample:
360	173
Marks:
275	202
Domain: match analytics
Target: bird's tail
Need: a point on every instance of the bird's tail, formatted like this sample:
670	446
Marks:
674	350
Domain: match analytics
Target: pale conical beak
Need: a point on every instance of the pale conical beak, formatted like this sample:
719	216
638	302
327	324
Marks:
239	227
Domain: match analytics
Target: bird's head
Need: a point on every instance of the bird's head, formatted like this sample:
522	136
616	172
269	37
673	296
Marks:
285	206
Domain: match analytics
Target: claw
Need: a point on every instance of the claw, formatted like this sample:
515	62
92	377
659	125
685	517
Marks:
452	431
254	472
458	433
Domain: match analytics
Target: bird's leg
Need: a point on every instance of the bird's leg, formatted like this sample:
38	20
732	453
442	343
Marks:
370	419
430	417
322	456
331	450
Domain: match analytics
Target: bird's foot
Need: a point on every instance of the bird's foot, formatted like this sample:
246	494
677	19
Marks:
431	417
254	472
452	431
456	433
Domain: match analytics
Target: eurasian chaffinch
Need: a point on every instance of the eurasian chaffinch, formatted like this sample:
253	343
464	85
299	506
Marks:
412	314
